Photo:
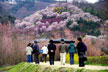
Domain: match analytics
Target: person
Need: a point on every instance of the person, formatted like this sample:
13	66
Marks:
62	50
51	51
29	52
36	52
71	50
81	47
44	53
32	45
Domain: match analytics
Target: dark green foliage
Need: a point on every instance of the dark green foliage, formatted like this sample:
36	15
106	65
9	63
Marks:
92	11
86	27
102	13
2	11
5	19
11	19
103	71
69	23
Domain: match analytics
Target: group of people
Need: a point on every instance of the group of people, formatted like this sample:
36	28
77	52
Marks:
33	48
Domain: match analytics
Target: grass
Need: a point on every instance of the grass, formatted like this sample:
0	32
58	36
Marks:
5	68
97	60
93	60
88	63
26	67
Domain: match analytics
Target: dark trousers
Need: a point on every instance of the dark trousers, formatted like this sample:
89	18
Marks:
44	56
28	58
81	62
51	57
36	57
71	58
31	58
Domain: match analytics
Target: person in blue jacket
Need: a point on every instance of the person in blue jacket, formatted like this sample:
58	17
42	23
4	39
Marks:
71	50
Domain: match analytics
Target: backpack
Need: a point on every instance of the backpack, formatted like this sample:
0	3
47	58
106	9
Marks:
84	48
74	48
36	48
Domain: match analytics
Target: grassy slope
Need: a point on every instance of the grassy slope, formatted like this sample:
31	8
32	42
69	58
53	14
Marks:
5	68
25	67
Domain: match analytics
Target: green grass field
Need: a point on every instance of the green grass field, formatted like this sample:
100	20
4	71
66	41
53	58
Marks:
26	67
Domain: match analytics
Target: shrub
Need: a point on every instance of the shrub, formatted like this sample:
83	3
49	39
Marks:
59	10
86	27
94	60
69	23
92	11
98	60
75	58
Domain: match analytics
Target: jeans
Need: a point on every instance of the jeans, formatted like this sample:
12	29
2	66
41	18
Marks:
28	58
44	56
62	58
36	57
71	58
51	58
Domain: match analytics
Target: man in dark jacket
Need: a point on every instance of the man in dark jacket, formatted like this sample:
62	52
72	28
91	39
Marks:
81	47
32	45
51	51
36	52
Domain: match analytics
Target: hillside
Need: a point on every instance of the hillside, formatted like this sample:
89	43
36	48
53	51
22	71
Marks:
102	6
5	16
57	17
99	8
25	8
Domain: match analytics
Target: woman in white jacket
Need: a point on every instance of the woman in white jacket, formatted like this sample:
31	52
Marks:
44	53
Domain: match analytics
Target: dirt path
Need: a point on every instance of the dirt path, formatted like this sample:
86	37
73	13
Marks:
91	67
